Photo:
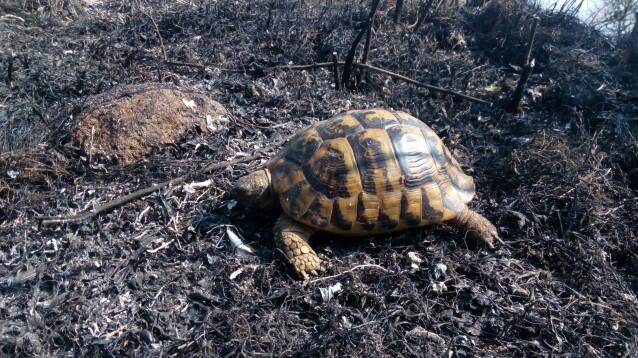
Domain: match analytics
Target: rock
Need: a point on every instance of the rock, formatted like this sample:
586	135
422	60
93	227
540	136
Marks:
125	124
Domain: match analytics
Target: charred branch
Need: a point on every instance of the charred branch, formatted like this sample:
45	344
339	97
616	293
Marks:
393	75
527	71
335	70
397	10
347	70
423	13
123	200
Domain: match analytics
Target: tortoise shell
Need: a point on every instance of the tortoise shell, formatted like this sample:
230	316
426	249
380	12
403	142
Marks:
369	172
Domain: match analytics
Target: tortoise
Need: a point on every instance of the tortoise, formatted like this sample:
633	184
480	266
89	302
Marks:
362	172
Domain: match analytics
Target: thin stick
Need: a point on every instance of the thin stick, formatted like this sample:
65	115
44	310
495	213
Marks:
163	246
186	64
531	41
425	8
162	48
335	70
425	85
158	35
527	71
397	10
347	70
9	71
373	9
305	67
520	88
200	66
394	75
269	19
351	270
123	200
633	46
366	46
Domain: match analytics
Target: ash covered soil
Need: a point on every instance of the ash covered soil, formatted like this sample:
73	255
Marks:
159	276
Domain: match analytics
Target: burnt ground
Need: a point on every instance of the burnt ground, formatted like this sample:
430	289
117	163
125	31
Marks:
160	276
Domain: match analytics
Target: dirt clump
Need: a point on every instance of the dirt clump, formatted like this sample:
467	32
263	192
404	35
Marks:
127	123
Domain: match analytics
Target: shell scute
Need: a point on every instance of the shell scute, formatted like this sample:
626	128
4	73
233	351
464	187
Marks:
367	211
432	209
389	210
332	170
413	155
409	120
378	168
411	207
319	212
338	128
375	118
302	146
284	174
344	213
296	200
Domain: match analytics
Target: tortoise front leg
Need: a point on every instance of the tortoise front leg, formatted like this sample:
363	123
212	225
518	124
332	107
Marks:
476	225
292	238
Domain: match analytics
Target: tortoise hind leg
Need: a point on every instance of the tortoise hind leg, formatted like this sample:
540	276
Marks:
292	238
476	225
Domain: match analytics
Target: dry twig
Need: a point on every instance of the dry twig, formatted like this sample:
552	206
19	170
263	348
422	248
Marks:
335	70
423	12
527	71
393	75
397	10
123	200
159	36
366	46
347	69
424	85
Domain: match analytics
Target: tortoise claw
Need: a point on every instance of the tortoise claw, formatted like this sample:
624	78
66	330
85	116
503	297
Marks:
307	265
486	239
477	227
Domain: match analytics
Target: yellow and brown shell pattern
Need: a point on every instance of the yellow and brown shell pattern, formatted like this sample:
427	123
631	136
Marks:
369	172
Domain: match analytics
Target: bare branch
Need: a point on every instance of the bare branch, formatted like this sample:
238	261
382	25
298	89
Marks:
347	70
424	85
527	71
397	10
335	70
423	12
391	74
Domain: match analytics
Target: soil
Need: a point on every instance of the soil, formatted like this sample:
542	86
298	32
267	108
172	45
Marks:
125	124
164	275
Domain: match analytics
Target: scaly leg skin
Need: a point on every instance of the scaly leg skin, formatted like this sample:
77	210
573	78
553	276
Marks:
476	226
292	238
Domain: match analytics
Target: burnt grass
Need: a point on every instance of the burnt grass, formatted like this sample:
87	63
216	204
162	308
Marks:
159	276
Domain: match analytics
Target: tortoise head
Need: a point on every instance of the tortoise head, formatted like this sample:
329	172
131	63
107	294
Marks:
254	190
